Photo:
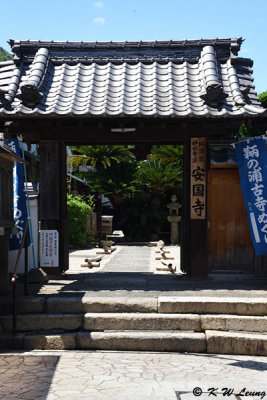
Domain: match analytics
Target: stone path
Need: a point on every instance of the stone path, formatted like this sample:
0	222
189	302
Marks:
130	259
80	375
155	284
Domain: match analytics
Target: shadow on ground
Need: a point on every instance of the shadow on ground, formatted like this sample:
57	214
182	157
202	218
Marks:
26	376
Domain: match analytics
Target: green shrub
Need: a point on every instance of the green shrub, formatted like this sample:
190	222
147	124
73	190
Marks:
263	99
79	210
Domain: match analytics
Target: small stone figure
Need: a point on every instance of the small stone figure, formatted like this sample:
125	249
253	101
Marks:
107	247
162	252
92	262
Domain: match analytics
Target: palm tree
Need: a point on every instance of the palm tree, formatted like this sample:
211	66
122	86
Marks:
116	182
157	179
167	154
99	156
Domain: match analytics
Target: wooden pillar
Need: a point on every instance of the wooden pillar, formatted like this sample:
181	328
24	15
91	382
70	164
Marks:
185	221
53	205
196	153
4	277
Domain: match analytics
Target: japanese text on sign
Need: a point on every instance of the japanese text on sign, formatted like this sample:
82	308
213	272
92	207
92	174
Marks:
198	178
251	154
251	158
48	248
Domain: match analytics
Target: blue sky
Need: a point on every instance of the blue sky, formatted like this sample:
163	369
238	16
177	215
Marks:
141	20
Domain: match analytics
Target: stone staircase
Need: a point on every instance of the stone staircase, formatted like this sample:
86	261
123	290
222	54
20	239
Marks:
183	324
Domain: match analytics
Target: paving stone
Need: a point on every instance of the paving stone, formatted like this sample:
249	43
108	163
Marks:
130	259
234	323
140	321
236	343
148	341
161	374
211	305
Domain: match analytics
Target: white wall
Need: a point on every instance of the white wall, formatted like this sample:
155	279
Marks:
12	256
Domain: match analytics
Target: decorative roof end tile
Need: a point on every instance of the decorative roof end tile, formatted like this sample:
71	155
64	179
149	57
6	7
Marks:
30	90
214	93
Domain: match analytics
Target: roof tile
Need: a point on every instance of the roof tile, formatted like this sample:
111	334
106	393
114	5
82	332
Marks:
203	78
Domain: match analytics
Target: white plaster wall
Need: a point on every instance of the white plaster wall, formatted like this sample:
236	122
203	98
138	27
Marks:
12	256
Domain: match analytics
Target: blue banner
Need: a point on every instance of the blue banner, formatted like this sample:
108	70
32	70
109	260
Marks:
19	198
251	156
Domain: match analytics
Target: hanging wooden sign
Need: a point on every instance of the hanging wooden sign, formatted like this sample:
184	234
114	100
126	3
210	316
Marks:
198	178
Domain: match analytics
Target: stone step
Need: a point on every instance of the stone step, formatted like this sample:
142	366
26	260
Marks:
80	304
236	343
66	341
142	341
101	322
130	340
24	305
43	322
226	322
115	282
141	321
134	321
213	342
101	305
213	305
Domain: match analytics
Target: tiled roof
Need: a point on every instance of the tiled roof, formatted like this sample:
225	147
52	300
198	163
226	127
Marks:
190	78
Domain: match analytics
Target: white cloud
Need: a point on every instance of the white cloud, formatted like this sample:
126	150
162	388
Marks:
99	21
99	4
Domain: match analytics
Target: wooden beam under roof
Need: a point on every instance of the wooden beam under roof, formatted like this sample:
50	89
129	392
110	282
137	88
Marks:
102	131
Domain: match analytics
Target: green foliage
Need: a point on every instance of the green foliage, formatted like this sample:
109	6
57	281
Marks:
158	178
138	219
116	182
99	156
167	155
79	210
92	240
4	55
138	191
263	99
250	129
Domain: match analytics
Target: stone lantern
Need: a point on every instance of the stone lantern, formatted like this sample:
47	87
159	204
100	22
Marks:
174	218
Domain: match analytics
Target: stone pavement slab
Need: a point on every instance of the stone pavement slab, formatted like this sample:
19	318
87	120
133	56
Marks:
97	375
130	259
126	258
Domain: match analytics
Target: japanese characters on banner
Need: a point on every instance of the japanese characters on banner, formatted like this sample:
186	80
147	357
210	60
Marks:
48	248
198	178
19	198
251	158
